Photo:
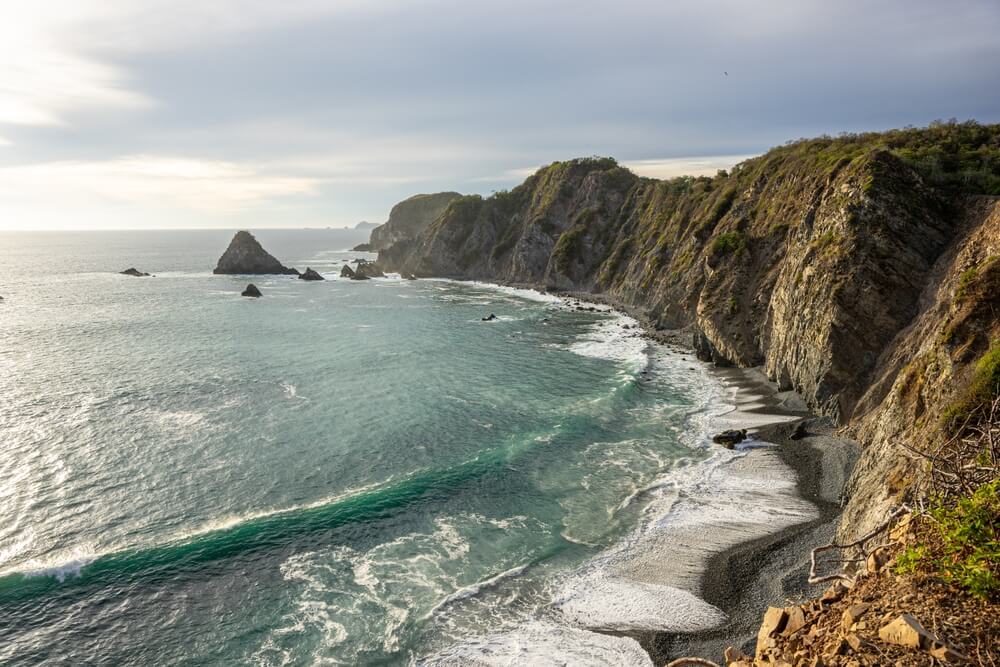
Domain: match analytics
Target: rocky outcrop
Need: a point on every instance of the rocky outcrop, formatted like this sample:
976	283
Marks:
135	273
834	264
347	272
409	218
363	247
366	269
310	275
246	256
252	291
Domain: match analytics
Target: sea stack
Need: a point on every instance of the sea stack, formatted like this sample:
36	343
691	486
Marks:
311	275
251	290
246	256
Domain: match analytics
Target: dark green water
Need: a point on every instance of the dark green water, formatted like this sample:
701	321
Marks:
337	473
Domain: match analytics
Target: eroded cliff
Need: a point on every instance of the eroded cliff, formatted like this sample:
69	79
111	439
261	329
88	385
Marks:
842	266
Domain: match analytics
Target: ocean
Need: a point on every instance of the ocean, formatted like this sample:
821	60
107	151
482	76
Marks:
338	472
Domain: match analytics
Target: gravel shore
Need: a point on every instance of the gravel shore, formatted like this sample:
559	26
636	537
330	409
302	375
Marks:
744	580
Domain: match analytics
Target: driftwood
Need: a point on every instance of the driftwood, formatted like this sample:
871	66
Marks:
958	466
815	578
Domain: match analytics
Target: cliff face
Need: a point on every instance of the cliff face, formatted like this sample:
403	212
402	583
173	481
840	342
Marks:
834	263
409	218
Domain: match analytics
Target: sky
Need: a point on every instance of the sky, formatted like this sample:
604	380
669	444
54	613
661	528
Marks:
302	113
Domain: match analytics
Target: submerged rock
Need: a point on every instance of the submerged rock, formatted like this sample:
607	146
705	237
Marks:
251	290
490	317
245	255
729	438
134	272
310	275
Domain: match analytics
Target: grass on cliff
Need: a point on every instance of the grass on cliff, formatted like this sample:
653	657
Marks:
961	543
964	157
730	243
980	393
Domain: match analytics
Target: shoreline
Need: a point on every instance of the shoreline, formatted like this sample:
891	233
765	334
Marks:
744	579
747	578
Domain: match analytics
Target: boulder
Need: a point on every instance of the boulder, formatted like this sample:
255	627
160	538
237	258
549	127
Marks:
347	272
876	561
310	275
774	622
251	290
796	620
729	438
134	272
733	654
489	318
246	256
906	631
836	591
852	615
368	270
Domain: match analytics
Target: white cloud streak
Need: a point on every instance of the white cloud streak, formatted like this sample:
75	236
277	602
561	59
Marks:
146	181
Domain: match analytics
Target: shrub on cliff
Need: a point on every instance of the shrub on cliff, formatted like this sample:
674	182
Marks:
977	397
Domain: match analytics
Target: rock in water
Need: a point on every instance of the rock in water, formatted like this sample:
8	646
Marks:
311	275
362	247
251	290
134	272
490	317
246	256
367	269
347	272
730	438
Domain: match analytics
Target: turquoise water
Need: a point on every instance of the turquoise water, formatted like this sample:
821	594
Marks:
336	473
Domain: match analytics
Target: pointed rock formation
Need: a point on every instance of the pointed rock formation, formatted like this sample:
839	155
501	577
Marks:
251	290
311	275
246	256
134	272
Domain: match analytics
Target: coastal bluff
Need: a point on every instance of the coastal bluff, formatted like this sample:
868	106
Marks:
860	271
246	256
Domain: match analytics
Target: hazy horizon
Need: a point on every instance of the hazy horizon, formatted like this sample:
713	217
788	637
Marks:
147	114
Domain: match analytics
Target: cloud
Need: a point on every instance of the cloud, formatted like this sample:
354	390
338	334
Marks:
44	77
685	166
145	182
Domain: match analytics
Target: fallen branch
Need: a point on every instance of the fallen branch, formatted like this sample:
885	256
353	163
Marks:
814	578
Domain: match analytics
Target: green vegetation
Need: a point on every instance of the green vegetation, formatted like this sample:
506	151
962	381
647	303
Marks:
980	393
964	544
728	243
568	246
951	155
970	280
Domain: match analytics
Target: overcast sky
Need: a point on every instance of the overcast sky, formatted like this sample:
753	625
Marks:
258	113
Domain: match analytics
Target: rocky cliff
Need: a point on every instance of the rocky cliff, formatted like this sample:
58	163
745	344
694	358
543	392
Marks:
245	255
409	218
858	270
